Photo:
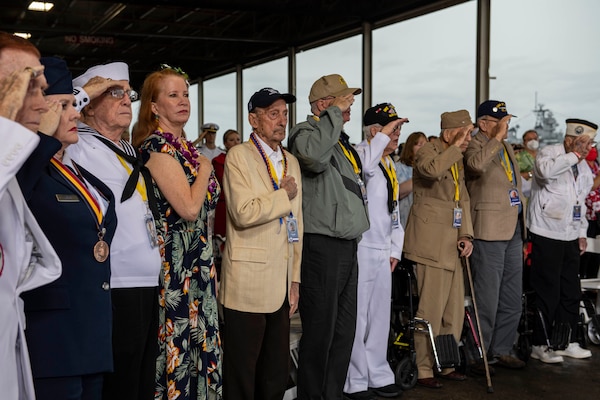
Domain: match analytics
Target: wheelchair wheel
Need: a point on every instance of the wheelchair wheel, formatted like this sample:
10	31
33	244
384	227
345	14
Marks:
593	334
405	374
523	349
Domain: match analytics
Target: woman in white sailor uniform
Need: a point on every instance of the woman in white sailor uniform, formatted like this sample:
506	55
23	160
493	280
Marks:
68	321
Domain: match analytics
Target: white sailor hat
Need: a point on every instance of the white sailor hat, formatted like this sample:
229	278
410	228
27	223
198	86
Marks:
117	71
578	127
210	126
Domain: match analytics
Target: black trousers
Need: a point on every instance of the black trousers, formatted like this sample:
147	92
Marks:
83	387
135	344
256	361
328	313
555	280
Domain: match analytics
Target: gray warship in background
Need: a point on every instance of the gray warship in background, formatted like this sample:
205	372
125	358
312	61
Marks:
545	125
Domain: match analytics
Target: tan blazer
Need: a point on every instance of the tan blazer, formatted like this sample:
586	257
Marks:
430	238
259	264
493	216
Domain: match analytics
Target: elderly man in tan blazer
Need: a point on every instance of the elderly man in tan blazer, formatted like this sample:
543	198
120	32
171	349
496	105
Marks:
494	184
438	232
261	262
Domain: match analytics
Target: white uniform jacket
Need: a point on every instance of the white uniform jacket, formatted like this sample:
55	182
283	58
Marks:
380	234
555	192
27	261
134	262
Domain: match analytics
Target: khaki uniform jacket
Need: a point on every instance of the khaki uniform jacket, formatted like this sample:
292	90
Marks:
430	238
258	264
493	216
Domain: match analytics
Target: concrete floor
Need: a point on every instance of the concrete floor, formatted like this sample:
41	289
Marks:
571	380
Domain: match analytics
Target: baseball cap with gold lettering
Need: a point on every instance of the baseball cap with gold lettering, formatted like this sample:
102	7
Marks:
493	108
578	127
330	85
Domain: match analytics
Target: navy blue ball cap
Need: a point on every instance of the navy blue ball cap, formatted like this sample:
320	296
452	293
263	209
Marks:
60	80
493	108
267	96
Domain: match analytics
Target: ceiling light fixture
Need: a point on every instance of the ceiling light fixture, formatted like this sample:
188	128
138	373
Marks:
40	6
24	35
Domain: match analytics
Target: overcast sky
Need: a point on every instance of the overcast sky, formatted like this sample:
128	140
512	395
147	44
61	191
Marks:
426	66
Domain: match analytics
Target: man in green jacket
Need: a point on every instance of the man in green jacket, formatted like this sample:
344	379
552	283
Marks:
335	216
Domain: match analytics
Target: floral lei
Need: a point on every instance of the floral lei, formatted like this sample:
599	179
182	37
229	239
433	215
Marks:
189	152
187	149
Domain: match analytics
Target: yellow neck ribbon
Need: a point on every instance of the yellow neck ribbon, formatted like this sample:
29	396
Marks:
454	171
140	186
504	160
350	158
391	173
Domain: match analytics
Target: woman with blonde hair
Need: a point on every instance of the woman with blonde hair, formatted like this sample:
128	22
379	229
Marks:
189	360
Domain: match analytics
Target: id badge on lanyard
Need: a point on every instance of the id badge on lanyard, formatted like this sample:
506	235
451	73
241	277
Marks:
151	227
291	224
363	188
457	217
395	216
577	212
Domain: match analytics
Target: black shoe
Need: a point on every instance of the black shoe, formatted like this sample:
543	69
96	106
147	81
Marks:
364	395
390	390
431	383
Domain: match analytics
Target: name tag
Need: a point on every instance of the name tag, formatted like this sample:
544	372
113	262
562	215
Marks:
67	198
291	225
577	213
457	218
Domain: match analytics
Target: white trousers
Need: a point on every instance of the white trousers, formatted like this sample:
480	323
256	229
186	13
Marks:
368	364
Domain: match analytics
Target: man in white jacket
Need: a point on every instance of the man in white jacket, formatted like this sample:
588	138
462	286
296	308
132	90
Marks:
558	228
379	251
27	259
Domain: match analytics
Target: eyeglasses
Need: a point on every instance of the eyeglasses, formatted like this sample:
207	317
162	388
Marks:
119	93
274	114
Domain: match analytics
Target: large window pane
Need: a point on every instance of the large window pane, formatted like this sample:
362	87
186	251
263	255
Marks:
342	57
219	105
273	74
426	66
546	50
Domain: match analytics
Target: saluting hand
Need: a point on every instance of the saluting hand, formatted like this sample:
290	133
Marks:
343	102
98	85
51	118
500	130
13	89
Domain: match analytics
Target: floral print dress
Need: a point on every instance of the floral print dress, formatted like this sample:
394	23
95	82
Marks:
188	366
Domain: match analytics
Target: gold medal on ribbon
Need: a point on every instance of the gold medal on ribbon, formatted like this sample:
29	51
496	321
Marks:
101	249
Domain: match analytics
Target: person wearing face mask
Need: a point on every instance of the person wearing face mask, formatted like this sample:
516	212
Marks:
526	159
588	266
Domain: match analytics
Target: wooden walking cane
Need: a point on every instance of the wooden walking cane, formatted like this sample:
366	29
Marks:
490	388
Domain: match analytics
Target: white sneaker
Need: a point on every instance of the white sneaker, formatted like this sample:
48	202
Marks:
545	355
574	350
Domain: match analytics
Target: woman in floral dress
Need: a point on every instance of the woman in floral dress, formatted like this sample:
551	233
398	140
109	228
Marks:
189	359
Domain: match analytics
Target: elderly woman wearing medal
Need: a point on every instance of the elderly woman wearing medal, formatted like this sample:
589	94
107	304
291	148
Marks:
69	320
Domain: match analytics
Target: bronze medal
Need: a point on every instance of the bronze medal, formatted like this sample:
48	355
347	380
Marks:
101	251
